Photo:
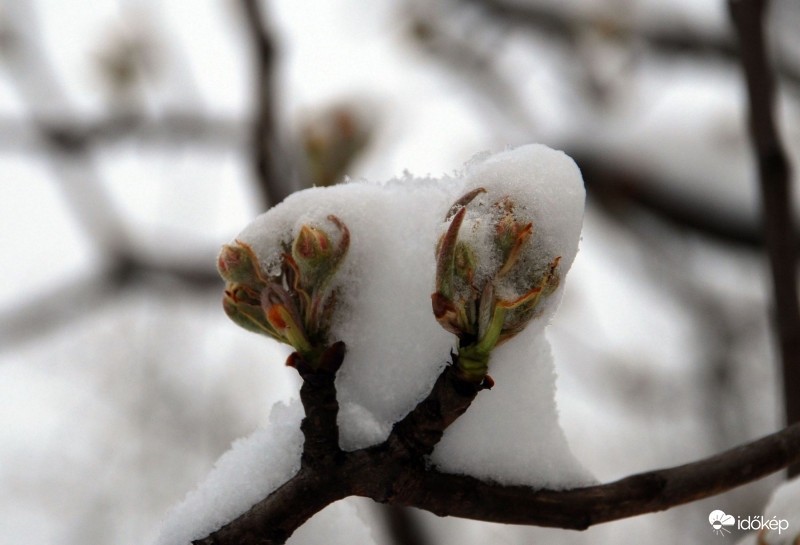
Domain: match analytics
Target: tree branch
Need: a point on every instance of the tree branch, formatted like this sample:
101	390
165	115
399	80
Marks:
773	169
273	520
318	395
395	472
463	496
666	39
418	433
610	183
266	156
327	472
58	306
70	161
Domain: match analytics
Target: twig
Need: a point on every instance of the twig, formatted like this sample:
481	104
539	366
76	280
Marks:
265	141
462	496
610	184
394	472
776	195
404	526
670	40
41	313
70	160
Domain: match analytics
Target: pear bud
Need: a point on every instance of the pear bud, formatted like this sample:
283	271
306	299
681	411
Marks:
316	257
239	264
486	309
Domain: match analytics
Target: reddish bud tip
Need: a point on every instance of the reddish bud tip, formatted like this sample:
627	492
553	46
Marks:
276	318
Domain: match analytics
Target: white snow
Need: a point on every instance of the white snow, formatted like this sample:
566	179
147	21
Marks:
396	348
784	510
510	434
248	472
341	522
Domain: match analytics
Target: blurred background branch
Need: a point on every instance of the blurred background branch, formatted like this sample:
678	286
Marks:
274	184
776	196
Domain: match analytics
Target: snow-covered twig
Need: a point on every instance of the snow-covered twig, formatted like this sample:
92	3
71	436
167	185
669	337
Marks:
386	473
579	508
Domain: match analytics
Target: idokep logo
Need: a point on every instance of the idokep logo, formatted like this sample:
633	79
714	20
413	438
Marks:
719	520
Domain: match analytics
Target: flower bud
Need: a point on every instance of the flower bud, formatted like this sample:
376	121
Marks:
239	264
246	315
293	305
486	309
316	258
286	325
310	244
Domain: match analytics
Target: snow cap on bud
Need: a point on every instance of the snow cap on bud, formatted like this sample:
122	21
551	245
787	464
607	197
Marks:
294	304
490	279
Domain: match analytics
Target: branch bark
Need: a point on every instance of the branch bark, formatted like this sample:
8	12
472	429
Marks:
773	169
265	145
665	39
463	496
395	472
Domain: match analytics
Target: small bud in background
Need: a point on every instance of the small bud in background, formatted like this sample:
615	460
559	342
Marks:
293	306
333	140
128	57
487	308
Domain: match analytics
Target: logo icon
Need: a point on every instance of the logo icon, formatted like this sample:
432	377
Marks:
718	520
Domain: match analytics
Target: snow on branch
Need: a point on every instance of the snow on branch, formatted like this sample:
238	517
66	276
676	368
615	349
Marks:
373	285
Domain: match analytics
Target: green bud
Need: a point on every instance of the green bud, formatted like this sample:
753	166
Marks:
475	313
317	259
240	265
246	315
464	262
294	304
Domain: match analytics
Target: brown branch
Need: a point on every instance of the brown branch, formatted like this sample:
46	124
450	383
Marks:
394	472
773	169
665	39
266	155
70	161
38	315
404	526
318	395
273	520
418	433
611	184
327	472
463	496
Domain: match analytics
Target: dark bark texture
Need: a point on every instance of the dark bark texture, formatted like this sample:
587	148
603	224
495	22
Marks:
395	472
